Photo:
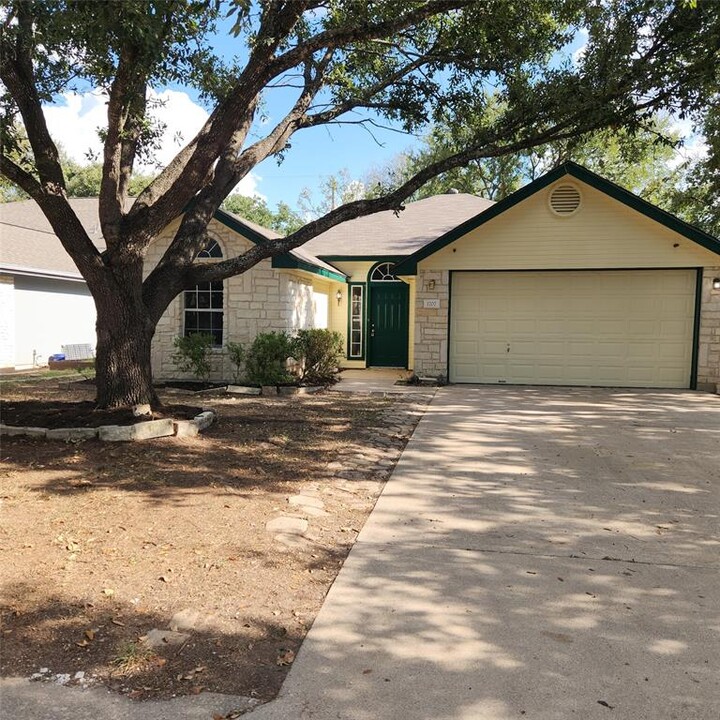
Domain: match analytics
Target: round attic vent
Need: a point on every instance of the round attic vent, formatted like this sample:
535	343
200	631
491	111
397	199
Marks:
565	200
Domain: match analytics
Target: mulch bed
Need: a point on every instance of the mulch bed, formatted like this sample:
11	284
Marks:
101	543
62	414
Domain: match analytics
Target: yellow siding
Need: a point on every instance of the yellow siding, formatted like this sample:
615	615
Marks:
603	233
356	270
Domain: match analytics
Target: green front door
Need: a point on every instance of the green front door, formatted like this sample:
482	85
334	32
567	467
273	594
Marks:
388	316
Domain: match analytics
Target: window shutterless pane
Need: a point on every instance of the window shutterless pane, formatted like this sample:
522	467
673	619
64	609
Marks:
356	320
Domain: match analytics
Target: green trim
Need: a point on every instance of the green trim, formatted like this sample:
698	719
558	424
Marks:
372	286
286	260
229	221
290	262
363	341
361	258
696	330
409	265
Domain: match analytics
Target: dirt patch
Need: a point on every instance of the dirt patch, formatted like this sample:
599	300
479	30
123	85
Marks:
101	544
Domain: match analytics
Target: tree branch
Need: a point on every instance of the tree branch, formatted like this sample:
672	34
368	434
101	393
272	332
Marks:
16	71
22	178
167	196
120	145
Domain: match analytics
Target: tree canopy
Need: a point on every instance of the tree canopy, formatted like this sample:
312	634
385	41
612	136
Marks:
638	160
502	69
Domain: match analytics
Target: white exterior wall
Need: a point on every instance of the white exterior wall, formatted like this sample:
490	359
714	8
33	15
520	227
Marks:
7	321
49	314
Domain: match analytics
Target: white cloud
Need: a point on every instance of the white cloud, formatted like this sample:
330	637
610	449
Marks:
579	53
694	146
75	122
693	149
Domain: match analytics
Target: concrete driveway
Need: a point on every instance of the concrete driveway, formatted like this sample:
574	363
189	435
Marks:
538	553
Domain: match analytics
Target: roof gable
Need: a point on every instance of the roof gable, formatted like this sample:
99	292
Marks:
297	259
409	265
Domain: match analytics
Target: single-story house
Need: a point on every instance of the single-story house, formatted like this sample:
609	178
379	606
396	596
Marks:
44	301
572	280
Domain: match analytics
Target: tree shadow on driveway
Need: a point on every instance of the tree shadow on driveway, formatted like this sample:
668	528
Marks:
544	553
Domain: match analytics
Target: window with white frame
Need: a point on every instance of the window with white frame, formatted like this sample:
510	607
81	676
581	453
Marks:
383	273
204	304
357	329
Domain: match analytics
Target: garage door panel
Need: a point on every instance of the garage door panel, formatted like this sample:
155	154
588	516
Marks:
621	328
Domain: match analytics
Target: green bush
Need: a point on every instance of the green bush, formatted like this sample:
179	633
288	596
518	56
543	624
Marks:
236	353
192	354
266	358
318	353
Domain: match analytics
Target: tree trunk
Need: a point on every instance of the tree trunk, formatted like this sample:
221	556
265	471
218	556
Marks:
123	372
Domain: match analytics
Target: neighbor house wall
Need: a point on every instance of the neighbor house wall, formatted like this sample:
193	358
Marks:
50	313
259	300
709	345
7	321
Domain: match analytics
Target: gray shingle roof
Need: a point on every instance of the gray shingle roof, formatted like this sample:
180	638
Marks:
27	241
385	233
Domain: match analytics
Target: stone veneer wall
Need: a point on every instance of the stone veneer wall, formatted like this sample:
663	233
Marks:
709	350
431	324
431	329
260	300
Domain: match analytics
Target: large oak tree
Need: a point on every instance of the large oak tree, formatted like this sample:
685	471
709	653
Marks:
401	62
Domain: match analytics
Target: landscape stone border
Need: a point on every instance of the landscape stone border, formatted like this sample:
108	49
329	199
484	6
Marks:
120	433
265	390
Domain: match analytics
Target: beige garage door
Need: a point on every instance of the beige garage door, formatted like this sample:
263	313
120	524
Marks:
622	328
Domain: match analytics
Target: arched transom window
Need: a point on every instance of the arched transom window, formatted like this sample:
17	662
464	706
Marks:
211	250
382	273
204	305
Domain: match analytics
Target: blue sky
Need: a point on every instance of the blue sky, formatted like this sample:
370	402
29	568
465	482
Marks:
315	153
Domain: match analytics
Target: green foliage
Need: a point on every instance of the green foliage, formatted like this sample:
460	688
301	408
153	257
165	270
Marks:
283	220
266	359
236	353
334	190
84	180
636	160
318	353
192	354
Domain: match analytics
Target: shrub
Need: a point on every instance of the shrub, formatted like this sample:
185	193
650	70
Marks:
236	353
193	354
318	353
265	359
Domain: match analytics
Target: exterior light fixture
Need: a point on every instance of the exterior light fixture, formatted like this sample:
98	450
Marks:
716	283
431	283
338	296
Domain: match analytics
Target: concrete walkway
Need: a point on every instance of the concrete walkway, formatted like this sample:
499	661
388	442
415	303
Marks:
538	553
377	381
